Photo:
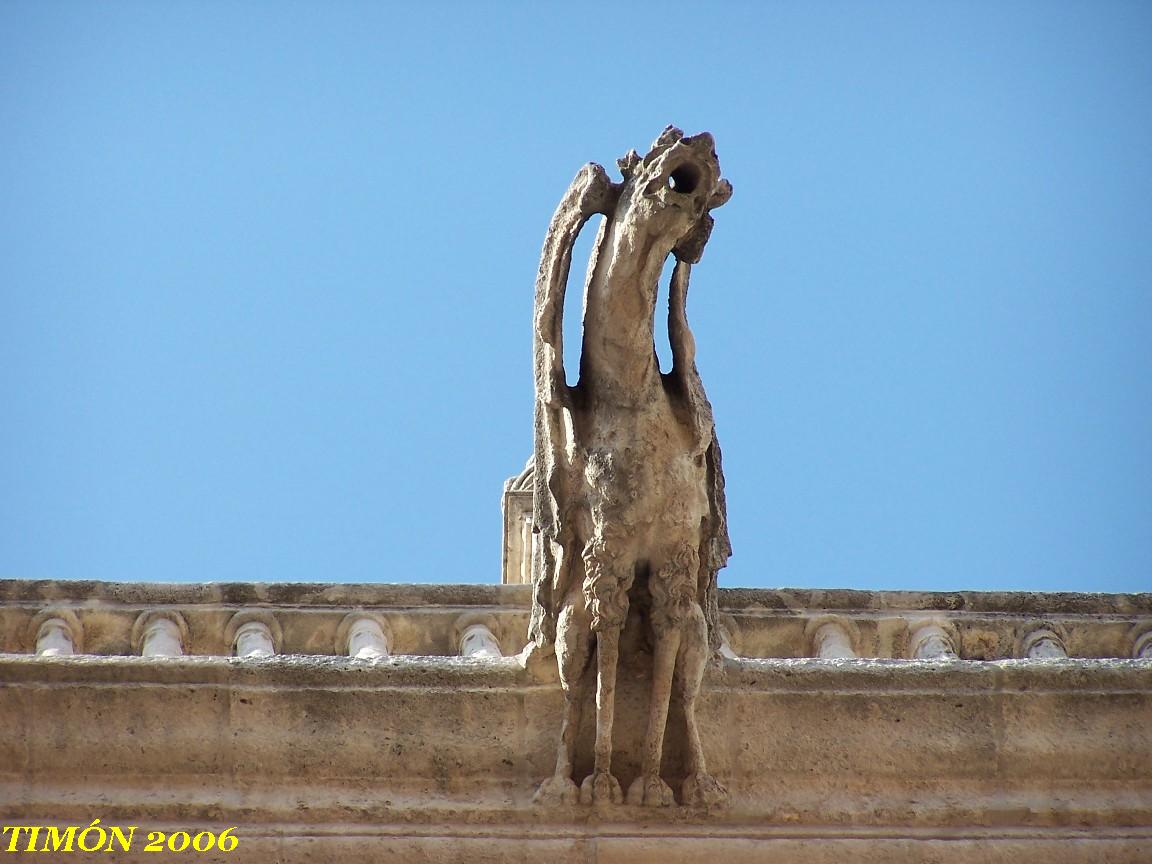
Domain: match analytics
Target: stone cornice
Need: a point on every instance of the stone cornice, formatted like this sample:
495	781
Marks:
308	618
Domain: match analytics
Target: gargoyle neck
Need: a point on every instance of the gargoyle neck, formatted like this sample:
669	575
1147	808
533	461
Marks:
618	357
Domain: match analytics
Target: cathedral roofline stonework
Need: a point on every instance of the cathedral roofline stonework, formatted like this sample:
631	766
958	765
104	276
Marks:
758	623
428	750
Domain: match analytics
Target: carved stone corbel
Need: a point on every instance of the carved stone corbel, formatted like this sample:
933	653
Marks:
364	636
253	633
160	633
56	632
832	637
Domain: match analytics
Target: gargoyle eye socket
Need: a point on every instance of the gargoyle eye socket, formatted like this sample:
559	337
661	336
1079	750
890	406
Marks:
684	179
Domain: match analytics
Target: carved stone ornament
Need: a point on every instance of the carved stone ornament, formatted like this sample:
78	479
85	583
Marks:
629	492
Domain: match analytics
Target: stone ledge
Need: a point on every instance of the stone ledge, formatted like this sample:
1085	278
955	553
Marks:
1104	676
451	742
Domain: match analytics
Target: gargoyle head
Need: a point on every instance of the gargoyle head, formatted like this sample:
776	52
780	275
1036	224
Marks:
667	194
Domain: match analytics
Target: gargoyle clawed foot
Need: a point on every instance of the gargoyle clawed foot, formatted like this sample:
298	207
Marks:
557	791
699	790
601	787
703	790
648	790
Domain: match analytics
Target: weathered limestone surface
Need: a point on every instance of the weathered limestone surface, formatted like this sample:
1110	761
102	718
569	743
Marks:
317	756
628	500
427	619
518	547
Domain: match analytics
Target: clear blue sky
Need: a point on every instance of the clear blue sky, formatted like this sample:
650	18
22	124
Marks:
266	280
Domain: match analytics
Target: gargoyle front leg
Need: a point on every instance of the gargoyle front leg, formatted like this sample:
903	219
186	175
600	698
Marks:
700	788
606	583
600	786
648	789
671	587
573	651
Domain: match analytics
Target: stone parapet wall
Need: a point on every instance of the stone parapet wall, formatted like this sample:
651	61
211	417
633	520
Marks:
437	758
425	756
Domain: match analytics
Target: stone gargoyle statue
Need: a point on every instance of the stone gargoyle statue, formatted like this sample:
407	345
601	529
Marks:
628	482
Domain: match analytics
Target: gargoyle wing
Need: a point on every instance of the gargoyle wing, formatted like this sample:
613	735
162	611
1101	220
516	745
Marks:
715	547
557	469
